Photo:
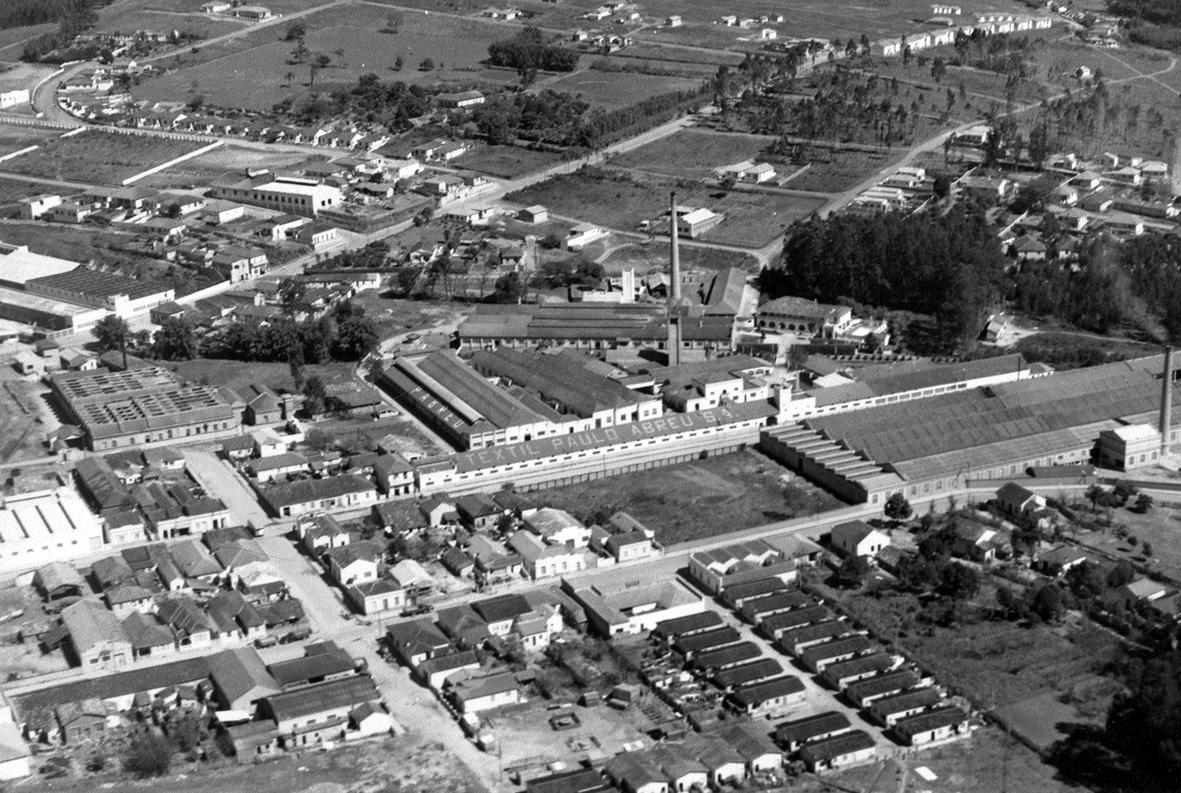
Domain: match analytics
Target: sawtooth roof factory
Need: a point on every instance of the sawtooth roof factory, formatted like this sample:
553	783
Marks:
1120	413
141	406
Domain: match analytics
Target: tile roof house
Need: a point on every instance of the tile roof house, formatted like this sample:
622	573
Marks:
147	636
240	679
97	637
416	641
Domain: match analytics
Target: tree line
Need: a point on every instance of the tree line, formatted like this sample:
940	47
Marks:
947	266
528	52
563	119
72	16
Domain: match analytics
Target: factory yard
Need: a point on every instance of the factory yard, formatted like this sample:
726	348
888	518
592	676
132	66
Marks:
699	499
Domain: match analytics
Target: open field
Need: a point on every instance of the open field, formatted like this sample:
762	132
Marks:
12	41
613	90
404	763
12	190
122	17
699	499
832	171
677	54
1157	527
200	171
648	256
991	761
995	662
753	218
14	138
351	36
68	242
982	87
98	157
507	162
239	374
693	153
22	431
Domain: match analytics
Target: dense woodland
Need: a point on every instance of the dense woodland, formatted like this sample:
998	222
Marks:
949	266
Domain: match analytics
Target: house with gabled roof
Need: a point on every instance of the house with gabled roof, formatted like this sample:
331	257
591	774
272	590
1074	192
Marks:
416	641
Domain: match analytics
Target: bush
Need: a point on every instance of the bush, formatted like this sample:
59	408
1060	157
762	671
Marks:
148	755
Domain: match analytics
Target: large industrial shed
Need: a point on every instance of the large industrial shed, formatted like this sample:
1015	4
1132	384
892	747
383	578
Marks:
929	446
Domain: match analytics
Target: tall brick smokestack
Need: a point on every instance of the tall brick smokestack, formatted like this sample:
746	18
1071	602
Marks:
1166	401
674	289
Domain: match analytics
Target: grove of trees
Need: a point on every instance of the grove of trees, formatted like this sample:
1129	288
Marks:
947	266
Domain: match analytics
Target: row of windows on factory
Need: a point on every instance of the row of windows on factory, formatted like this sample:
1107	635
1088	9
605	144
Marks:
574	456
43	549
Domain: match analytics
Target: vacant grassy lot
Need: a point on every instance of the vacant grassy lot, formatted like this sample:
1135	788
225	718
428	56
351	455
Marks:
200	171
12	190
236	375
14	138
994	662
648	256
22	429
98	157
613	90
351	36
1160	527
753	219
612	200
507	162
619	202
699	499
831	171
693	153
403	763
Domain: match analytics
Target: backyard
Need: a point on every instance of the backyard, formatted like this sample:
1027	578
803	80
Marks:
699	499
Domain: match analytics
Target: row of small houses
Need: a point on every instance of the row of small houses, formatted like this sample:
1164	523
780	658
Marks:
986	26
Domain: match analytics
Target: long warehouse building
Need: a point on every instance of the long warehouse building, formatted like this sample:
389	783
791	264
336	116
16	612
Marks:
935	445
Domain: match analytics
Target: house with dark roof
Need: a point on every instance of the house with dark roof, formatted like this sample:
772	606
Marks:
416	640
321	662
377	597
236	616
240	679
435	672
346	491
189	622
776	696
635	772
840	751
309	716
147	636
478	511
